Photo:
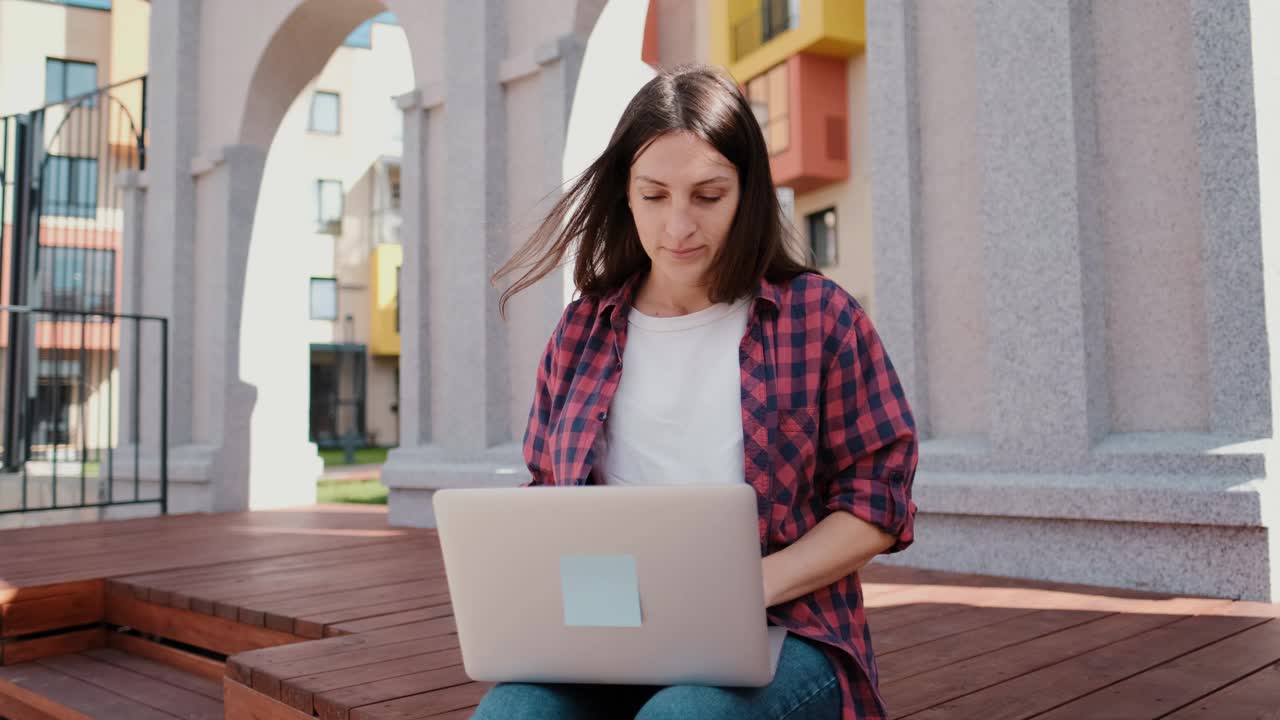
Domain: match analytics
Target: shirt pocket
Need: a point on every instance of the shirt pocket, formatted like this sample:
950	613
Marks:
795	459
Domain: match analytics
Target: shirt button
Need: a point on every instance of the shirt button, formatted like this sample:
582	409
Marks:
618	366
602	416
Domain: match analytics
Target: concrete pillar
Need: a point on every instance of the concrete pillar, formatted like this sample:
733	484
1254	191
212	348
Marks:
1060	490
1041	227
455	424
1239	362
895	175
164	279
133	193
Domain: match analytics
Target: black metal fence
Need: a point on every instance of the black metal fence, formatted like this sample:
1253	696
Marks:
80	414
64	342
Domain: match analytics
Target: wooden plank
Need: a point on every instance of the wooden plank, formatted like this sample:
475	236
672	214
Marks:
460	714
205	573
280	615
52	608
163	671
244	664
1041	690
425	705
180	550
197	665
380	622
952	649
339	704
19	703
1256	696
1183	680
142	689
887	618
13	652
932	688
226	580
202	631
169	580
430	607
242	703
304	585
77	695
300	692
270	679
900	638
311	590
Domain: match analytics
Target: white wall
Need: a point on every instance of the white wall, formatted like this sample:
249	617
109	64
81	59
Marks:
31	31
286	251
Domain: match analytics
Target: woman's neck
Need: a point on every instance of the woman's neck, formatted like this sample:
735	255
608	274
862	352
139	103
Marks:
661	298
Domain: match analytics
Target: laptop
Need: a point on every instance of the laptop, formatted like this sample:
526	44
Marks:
601	584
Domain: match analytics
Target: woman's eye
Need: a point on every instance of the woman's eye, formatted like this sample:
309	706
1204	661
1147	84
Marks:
708	199
651	197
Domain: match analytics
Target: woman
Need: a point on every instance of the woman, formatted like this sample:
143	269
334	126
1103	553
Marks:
742	365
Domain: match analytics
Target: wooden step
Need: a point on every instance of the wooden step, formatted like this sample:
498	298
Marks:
106	684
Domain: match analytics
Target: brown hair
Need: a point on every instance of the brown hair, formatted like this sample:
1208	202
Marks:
594	211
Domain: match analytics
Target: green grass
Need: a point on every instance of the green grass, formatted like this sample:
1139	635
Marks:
366	492
364	456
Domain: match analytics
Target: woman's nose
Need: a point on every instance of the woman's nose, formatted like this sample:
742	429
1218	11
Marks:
680	225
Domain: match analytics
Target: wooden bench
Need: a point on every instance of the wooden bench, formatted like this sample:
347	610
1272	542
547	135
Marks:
408	671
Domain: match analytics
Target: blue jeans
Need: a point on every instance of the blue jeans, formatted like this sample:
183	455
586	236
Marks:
804	688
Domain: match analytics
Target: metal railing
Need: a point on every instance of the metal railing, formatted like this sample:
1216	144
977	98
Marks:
72	422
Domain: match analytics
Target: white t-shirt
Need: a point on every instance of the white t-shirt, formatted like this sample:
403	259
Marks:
676	417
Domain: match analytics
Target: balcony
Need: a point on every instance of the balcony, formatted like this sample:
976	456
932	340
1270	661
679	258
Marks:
803	108
751	36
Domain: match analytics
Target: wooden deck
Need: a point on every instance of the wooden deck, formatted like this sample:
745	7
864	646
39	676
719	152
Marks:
330	613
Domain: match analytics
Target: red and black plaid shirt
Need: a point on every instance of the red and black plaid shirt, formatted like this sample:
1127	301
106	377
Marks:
825	425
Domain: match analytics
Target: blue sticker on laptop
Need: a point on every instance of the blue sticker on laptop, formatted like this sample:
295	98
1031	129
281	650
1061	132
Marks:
600	590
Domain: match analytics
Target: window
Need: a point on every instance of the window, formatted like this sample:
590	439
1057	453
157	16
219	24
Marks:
75	278
326	113
329	205
67	79
768	20
767	94
362	36
822	236
69	186
324	299
777	17
91	4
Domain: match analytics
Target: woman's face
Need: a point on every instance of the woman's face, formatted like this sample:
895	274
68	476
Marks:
683	195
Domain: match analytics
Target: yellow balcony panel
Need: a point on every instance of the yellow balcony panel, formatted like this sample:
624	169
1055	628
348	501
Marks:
384	285
750	36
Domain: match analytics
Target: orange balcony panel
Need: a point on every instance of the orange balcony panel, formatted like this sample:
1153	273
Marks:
649	49
817	153
66	335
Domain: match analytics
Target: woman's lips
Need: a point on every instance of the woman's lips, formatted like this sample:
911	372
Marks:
686	253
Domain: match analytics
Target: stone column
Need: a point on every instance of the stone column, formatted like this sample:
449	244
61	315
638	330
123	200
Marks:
1042	230
164	279
895	176
133	189
1058	491
455	425
1239	362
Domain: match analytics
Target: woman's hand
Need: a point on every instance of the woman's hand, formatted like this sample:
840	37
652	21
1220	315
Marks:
835	548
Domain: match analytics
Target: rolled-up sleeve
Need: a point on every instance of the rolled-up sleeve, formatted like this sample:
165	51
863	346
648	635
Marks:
537	434
869	444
